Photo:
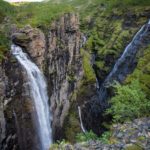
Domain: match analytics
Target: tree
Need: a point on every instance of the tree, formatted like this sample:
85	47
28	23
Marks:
129	102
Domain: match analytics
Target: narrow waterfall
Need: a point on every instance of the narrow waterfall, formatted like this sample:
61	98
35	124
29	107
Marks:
126	63
38	90
81	122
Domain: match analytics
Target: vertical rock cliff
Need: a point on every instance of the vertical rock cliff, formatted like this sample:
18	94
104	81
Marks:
58	56
17	103
64	67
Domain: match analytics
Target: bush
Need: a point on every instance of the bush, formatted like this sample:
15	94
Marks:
105	137
59	145
130	102
81	137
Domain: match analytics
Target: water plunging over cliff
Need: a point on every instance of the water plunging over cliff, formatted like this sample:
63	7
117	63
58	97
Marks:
38	91
126	63
80	117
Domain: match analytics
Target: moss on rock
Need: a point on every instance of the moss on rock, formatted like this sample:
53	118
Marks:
133	147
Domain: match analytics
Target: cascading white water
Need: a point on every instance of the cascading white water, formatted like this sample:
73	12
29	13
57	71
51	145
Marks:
129	50
126	63
80	117
38	89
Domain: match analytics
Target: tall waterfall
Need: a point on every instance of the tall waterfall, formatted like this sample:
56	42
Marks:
127	62
38	90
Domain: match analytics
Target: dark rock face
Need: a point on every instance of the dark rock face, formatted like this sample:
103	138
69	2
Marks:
59	58
18	108
2	91
64	67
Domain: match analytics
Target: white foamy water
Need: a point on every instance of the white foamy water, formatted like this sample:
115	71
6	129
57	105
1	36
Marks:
129	50
38	90
80	117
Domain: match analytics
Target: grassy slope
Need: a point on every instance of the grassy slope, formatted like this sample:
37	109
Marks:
5	10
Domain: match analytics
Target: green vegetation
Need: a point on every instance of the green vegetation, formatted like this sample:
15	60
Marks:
130	102
105	137
88	70
40	14
59	145
81	137
134	147
142	72
90	135
5	10
72	125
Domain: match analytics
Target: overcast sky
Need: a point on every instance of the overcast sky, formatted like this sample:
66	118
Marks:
23	0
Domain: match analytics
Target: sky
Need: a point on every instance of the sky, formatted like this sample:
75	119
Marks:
23	0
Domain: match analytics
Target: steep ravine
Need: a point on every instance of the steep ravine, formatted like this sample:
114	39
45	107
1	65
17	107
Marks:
127	62
108	36
58	56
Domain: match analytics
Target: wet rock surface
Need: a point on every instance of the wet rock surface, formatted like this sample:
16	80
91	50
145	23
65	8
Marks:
17	108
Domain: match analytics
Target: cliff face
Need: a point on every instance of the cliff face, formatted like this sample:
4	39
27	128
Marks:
2	119
58	56
18	108
64	67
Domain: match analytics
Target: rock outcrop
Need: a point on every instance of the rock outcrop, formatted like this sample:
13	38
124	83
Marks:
34	43
2	119
134	135
64	67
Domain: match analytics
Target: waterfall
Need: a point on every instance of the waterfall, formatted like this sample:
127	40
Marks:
38	90
81	122
126	63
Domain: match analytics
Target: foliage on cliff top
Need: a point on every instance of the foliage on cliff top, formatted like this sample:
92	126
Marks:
40	14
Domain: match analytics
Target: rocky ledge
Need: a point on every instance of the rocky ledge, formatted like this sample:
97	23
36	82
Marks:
133	135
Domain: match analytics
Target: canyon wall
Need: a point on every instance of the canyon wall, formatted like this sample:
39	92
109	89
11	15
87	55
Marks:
57	54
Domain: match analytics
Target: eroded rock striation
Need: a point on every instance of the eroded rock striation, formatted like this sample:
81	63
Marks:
64	66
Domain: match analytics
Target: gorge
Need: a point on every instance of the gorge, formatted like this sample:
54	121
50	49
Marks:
64	65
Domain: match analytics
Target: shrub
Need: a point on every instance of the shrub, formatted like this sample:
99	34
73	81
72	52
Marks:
59	145
130	102
81	137
105	137
88	70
